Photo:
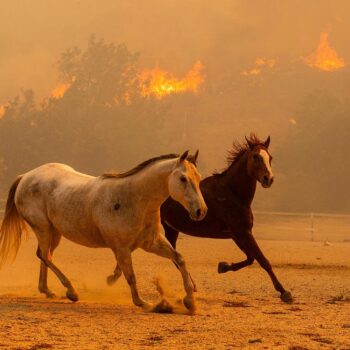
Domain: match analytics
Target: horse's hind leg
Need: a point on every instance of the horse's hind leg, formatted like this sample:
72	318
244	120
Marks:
43	288
44	254
163	248
252	248
125	262
111	279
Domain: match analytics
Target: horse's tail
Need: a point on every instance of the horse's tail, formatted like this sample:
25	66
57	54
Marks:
11	227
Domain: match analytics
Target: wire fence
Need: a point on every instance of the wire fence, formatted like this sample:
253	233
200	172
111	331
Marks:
317	227
302	226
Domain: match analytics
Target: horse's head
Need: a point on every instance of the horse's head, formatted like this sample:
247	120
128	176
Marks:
259	162
184	187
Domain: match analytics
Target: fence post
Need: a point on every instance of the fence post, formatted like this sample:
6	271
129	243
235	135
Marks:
312	227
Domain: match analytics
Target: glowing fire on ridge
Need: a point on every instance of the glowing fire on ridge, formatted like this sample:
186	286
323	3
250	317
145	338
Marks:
258	64
59	91
160	83
3	109
325	58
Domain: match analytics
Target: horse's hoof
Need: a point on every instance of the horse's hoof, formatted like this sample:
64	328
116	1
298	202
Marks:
142	303
50	295
163	307
223	267
111	279
189	304
287	297
73	296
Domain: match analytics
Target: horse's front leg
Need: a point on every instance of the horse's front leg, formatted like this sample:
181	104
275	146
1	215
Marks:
162	247
172	236
124	261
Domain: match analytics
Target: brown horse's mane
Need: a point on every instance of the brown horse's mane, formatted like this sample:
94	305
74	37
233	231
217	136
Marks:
139	167
237	151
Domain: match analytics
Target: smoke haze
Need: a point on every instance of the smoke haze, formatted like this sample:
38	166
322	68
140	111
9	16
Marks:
256	77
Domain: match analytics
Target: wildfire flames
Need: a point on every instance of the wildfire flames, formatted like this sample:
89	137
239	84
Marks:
59	91
159	83
325	58
258	65
154	82
3	109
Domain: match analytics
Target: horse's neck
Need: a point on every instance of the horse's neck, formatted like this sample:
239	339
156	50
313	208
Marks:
153	182
240	182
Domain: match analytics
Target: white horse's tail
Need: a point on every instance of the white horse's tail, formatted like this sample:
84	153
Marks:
11	227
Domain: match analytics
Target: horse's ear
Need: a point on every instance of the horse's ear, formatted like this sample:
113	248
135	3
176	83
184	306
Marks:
193	158
250	144
196	156
267	142
183	156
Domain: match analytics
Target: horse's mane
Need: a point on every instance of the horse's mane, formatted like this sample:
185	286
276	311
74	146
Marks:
139	167
237	151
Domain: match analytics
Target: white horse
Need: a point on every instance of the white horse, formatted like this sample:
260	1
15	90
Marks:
116	211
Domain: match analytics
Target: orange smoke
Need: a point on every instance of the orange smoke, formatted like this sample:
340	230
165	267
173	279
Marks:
160	83
258	65
325	58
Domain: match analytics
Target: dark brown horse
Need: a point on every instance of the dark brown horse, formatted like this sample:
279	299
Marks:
229	196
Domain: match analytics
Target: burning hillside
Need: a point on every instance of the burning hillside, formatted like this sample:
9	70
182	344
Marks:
2	110
325	57
259	64
155	82
59	91
159	83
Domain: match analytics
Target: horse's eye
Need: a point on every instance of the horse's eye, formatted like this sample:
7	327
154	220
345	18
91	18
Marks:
256	157
183	179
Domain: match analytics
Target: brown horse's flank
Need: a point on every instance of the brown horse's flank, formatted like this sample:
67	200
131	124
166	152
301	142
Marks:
228	196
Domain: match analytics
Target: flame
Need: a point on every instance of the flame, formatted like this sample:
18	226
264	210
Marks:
325	58
3	109
59	91
160	83
259	63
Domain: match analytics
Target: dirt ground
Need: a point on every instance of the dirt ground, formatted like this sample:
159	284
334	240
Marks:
236	310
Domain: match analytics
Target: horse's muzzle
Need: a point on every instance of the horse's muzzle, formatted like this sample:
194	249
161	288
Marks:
198	214
266	181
